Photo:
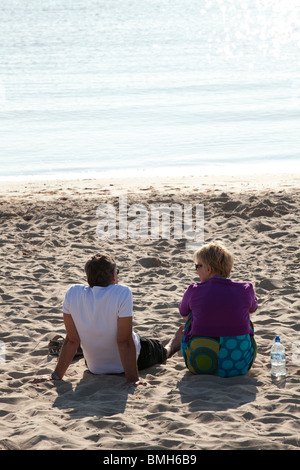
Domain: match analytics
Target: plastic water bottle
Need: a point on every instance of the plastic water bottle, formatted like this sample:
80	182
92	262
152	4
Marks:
278	366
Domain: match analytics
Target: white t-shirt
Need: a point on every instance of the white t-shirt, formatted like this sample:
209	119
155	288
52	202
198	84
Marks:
95	311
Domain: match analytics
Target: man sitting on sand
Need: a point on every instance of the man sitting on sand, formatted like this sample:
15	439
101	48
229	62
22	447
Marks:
99	318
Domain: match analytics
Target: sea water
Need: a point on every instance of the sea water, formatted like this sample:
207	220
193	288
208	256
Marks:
139	87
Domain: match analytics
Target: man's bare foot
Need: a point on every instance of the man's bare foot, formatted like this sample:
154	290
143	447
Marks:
174	345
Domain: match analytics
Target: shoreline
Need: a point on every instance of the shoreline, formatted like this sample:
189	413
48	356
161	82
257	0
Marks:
235	183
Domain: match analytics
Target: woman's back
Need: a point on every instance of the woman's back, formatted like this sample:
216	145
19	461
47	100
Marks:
220	307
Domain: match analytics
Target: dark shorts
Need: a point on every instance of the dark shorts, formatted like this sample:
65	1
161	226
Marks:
152	352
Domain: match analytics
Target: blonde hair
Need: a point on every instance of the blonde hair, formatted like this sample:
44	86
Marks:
217	256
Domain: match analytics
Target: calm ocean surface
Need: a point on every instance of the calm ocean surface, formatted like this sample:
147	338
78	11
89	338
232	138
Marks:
94	88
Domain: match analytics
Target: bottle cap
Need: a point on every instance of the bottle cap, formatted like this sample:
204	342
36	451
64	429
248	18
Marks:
277	339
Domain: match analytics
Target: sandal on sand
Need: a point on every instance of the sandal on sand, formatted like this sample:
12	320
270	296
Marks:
55	345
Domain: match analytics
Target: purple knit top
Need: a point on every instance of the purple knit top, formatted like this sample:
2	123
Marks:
220	307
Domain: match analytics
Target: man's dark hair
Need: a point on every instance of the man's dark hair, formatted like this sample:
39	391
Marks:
99	270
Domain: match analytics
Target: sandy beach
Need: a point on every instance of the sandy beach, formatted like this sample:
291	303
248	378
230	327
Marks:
49	230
